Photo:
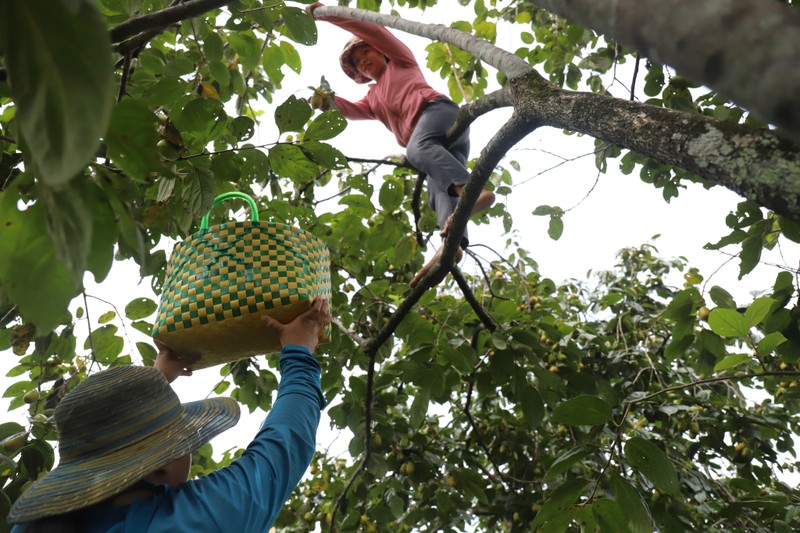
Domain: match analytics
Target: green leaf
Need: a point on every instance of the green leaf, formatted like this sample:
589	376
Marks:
30	272
419	407
731	361
721	297
139	308
132	138
105	231
289	161
789	229
292	114
147	352
529	401
201	119
770	342
653	463
757	311
544	210
556	227
247	46
727	323
324	154
565	461
326	126
106	317
105	342
751	254
290	56
301	25
558	504
391	195
69	223
58	59
610	516
404	250
213	47
242	128
639	518
583	411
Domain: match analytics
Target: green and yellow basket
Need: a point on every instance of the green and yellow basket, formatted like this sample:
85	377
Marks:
222	279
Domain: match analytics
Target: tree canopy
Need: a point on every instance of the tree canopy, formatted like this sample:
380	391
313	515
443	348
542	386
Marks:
504	401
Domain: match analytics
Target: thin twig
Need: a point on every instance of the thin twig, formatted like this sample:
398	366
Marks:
469	296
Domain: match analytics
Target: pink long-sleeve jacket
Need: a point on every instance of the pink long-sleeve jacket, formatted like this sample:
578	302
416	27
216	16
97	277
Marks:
398	98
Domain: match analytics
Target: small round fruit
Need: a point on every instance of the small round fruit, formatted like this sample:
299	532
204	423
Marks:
31	396
703	313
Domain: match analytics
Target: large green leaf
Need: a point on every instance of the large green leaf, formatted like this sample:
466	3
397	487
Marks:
757	311
326	126
292	114
728	323
583	411
558	504
69	222
132	138
30	271
610	516
639	518
565	461
653	463
731	361
289	161
302	27
58	57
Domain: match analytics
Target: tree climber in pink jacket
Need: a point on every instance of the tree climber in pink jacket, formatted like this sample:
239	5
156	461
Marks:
418	116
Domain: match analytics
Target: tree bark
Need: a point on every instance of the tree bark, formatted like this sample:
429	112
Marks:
755	163
747	50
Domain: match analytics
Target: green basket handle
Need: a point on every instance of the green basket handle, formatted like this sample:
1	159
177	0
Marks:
226	196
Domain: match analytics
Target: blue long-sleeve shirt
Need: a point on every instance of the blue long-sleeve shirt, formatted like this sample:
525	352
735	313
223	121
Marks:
246	496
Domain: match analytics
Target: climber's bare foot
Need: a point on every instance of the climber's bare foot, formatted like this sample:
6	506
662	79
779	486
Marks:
432	263
484	202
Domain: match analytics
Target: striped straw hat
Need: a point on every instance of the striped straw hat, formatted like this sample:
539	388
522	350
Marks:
346	60
116	427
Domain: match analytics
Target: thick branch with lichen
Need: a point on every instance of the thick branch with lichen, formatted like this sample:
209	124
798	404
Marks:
755	163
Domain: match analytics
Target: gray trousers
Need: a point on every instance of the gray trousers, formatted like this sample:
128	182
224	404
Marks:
443	166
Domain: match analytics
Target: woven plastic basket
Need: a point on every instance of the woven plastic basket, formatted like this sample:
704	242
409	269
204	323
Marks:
223	278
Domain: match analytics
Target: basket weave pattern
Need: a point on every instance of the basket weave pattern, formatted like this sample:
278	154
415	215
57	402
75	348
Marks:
220	280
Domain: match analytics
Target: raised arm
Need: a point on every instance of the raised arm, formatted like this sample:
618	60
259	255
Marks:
376	36
249	494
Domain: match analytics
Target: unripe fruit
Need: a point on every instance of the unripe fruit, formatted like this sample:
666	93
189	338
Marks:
377	441
364	520
13	444
308	517
451	480
31	396
703	313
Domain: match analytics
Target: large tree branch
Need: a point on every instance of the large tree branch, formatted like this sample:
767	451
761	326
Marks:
747	50
755	163
504	61
163	18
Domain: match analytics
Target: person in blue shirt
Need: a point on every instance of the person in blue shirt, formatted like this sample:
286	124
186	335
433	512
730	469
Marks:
125	445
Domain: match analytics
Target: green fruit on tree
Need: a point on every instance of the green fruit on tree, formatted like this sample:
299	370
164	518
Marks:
13	444
31	396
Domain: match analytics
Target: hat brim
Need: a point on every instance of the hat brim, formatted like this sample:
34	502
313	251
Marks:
80	483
